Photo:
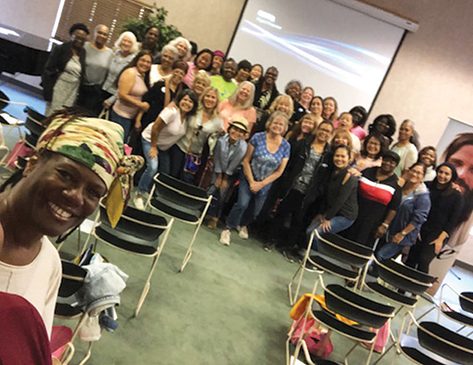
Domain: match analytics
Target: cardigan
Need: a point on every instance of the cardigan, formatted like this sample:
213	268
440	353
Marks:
55	65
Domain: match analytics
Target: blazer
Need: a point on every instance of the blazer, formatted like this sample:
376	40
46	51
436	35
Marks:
57	61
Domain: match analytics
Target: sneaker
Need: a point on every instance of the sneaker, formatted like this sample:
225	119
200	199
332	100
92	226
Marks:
212	222
139	202
243	232
268	247
289	256
225	237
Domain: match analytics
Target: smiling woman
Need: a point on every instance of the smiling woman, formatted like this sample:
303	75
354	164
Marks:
75	163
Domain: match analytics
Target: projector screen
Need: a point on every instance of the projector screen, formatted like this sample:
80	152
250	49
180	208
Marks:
338	51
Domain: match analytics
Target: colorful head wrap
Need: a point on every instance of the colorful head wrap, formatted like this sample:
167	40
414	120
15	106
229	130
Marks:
97	144
93	142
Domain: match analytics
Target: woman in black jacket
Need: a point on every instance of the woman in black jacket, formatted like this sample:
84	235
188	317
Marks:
65	70
446	206
301	185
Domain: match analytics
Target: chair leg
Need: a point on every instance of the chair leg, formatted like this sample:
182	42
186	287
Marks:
88	354
188	255
147	286
300	271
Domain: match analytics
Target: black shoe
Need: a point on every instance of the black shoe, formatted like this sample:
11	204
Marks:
289	256
268	247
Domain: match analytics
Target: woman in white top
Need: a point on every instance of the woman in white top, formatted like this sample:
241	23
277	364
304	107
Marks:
164	68
161	136
133	83
125	48
201	126
406	150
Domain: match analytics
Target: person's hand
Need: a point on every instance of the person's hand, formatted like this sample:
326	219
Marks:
218	181
354	172
325	225
172	105
438	245
457	187
153	152
398	237
137	126
256	186
224	185
381	231
144	106
106	104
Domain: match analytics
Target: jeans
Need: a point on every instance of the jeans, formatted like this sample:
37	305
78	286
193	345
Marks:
170	161
234	219
337	223
124	122
388	251
146	179
219	196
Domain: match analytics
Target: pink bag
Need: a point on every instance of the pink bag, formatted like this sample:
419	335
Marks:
20	150
318	342
381	338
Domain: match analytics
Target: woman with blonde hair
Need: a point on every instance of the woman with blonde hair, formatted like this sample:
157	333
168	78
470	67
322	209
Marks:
200	82
201	126
405	148
341	138
283	103
240	103
125	48
305	127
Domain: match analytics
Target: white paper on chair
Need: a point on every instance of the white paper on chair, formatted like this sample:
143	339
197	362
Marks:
87	226
10	119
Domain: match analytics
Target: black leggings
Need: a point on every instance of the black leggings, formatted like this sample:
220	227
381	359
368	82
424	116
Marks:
421	255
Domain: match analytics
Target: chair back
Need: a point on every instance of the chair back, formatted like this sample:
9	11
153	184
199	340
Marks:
4	100
404	277
135	226
446	343
72	278
175	196
34	125
466	301
343	249
349	304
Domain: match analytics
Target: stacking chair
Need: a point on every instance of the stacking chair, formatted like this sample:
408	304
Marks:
34	126
364	314
333	250
435	344
137	232
184	202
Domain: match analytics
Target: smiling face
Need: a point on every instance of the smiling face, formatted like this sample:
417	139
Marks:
125	45
416	174
341	139
186	104
210	99
271	76
444	175
324	132
217	62
463	162
244	93
406	131
144	64
78	38
316	106
60	192
427	157
307	95
329	108
199	85
167	58
294	91
256	72
229	70
235	134
243	74
177	75
283	106
203	61
151	37
278	126
101	36
373	147
182	49
346	121
341	158
307	125
388	165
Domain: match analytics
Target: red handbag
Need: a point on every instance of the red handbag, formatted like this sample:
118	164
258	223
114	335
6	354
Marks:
21	149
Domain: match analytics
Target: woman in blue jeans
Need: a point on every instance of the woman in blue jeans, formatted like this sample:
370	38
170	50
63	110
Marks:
264	162
411	214
341	198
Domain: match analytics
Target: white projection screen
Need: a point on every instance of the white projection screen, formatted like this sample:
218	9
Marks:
338	51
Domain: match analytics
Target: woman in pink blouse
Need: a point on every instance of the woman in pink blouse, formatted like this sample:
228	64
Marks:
239	104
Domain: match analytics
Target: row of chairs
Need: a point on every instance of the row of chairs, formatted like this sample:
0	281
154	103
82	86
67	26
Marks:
398	285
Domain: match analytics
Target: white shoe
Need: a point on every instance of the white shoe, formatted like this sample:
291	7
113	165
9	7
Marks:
225	237
139	203
243	233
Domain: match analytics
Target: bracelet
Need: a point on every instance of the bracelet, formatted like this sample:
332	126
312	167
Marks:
385	225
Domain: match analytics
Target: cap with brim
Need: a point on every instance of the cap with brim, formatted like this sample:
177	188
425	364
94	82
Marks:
392	155
240	123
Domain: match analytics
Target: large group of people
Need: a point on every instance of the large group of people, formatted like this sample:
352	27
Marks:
280	165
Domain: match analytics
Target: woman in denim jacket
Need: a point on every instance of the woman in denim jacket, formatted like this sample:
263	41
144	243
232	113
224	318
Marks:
410	216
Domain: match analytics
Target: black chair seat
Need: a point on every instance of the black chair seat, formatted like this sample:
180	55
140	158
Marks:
446	343
394	295
349	304
335	269
65	310
124	241
351	331
343	250
459	317
418	356
174	210
466	301
395	275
